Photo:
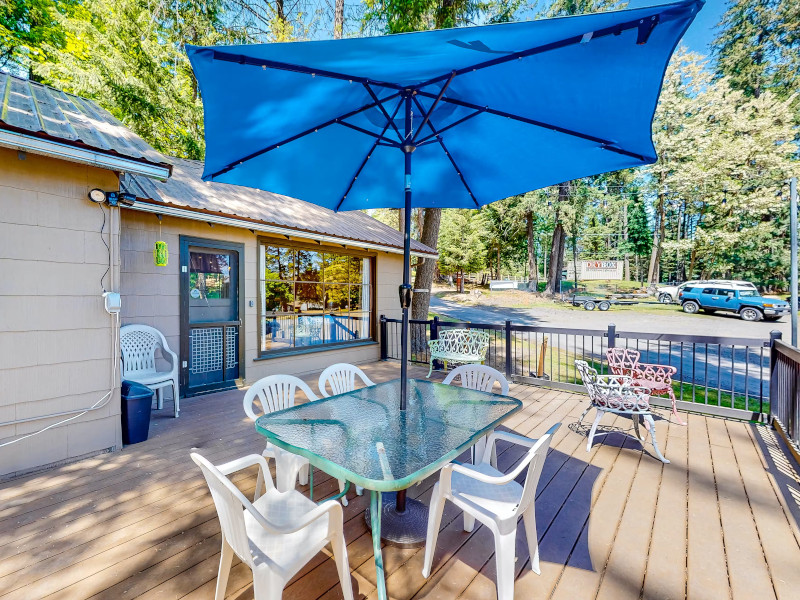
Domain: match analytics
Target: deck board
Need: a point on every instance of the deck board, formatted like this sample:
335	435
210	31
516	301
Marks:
612	522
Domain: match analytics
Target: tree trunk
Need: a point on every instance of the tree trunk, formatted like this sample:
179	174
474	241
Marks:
426	267
627	263
575	258
653	272
338	19
557	246
498	261
533	264
401	219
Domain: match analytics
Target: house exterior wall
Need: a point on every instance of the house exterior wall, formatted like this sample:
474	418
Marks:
151	295
55	335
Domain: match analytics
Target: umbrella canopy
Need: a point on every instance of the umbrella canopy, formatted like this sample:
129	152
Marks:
489	111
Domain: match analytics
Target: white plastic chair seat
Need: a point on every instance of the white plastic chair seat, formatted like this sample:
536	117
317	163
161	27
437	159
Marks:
500	500
151	377
286	552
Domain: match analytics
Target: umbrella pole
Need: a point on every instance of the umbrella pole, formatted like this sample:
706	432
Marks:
403	522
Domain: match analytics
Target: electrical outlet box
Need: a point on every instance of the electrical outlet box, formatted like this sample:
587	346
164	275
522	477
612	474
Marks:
113	302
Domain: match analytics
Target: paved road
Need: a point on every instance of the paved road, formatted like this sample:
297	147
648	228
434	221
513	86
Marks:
743	371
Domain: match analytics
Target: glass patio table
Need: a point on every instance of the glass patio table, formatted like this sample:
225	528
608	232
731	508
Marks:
364	438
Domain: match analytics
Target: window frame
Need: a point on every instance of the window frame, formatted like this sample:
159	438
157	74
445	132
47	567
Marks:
344	251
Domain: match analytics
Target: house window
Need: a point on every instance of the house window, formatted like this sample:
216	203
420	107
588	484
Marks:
312	298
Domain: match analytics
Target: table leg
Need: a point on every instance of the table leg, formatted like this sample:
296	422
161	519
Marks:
375	517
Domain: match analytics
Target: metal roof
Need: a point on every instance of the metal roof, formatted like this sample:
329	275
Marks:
31	108
185	189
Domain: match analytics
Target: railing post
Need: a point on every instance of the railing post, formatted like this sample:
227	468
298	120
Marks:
384	340
508	349
773	383
612	335
435	336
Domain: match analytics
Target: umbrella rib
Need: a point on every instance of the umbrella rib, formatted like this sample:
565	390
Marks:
450	126
449	156
367	157
433	106
383	109
379	136
297	137
282	66
612	30
606	144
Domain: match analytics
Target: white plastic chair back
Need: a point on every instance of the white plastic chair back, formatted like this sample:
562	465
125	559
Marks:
230	504
138	344
274	392
478	377
535	459
342	379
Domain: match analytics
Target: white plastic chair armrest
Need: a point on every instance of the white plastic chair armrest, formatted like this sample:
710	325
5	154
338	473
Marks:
447	473
244	462
508	437
329	506
173	358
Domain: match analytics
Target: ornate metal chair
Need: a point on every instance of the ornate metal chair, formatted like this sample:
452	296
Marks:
617	394
656	378
459	346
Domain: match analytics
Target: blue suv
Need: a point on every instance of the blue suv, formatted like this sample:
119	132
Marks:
746	302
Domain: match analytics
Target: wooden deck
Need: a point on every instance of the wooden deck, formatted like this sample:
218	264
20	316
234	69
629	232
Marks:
614	523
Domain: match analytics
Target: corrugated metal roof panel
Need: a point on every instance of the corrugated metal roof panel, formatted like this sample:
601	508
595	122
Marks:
44	111
186	189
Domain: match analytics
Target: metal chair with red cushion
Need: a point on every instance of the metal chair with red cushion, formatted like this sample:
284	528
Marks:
656	378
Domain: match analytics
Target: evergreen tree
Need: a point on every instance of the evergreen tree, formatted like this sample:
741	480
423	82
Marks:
462	238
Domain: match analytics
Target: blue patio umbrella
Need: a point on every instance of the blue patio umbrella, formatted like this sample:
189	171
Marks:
483	113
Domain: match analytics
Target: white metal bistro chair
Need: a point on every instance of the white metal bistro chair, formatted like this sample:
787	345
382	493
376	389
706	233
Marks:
276	392
138	344
617	394
482	378
276	534
496	500
342	379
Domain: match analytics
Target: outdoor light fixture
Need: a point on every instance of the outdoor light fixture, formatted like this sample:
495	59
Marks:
121	198
97	195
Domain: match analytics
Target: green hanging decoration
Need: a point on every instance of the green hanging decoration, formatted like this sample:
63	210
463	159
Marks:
160	250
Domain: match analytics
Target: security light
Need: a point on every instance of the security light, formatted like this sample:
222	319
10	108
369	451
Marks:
97	195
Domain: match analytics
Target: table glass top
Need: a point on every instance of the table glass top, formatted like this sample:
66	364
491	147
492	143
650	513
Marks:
362	436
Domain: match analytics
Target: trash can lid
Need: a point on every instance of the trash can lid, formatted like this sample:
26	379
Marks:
134	389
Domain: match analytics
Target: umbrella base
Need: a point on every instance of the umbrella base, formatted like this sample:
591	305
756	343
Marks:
404	530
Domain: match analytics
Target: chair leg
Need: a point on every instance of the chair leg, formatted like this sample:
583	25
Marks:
342	565
675	407
430	370
469	522
341	489
267	585
304	474
176	399
652	427
529	520
592	431
225	561
359	490
160	398
504	556
434	522
584	413
635	419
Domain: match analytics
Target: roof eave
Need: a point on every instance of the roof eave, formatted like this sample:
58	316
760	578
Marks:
113	162
242	223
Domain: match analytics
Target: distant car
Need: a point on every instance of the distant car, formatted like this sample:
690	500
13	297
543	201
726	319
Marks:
669	294
747	303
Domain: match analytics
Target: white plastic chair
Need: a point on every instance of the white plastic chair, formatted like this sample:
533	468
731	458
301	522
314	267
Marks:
496	500
275	535
342	379
138	344
276	392
482	378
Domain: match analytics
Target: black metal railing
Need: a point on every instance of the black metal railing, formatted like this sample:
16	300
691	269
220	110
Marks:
785	392
717	375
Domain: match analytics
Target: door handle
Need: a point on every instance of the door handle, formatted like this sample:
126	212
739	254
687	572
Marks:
715	297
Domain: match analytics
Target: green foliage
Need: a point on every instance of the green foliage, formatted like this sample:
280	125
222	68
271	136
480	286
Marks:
27	27
462	236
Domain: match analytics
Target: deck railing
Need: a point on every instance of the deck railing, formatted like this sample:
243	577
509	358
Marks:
785	393
726	376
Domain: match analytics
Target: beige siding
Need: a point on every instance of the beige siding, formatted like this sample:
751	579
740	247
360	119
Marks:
151	294
55	336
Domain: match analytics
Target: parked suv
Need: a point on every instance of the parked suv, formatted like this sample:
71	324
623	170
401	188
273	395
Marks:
670	293
748	303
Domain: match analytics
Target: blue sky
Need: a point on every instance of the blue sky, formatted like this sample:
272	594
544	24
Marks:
703	30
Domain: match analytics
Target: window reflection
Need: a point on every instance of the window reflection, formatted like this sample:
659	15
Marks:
310	298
